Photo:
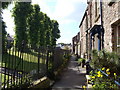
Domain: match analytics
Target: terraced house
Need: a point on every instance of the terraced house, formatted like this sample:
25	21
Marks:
100	27
76	44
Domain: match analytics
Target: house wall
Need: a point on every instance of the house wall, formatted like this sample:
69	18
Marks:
110	15
83	38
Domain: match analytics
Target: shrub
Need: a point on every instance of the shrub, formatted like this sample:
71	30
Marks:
81	61
105	59
100	81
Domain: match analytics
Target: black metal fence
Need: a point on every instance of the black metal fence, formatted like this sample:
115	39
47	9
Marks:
21	66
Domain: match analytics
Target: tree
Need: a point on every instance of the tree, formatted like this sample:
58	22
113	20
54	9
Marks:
4	33
55	32
3	37
34	25
42	30
5	5
47	28
20	14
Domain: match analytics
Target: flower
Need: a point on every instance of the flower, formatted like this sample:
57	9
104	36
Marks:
93	86
98	72
99	75
93	76
103	68
108	73
84	86
107	70
114	74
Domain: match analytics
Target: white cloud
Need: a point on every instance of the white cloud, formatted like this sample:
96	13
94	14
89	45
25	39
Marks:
63	8
7	18
68	13
44	6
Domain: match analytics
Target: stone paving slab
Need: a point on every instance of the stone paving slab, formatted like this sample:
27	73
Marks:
71	78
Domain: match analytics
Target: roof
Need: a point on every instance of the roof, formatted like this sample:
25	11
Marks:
83	19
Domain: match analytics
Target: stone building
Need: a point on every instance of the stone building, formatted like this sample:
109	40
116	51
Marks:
76	44
100	27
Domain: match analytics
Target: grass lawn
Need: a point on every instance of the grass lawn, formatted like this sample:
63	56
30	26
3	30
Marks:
22	61
26	62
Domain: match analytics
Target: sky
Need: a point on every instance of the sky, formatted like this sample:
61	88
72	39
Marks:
68	13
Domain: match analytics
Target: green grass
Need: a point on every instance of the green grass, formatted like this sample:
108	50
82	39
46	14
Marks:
2	76
13	60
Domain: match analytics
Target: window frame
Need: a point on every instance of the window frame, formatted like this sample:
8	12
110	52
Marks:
97	10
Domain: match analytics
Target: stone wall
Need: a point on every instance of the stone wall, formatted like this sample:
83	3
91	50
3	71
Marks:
111	14
83	38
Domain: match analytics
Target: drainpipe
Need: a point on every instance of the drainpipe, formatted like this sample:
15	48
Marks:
0	31
90	45
101	17
102	29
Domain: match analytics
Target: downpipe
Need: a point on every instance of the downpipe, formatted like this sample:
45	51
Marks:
101	22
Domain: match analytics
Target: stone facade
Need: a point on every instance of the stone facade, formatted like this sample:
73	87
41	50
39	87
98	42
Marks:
100	27
76	44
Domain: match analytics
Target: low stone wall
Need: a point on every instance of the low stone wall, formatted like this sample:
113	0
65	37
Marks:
44	82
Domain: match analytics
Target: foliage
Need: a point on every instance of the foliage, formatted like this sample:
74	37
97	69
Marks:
109	62
55	32
4	33
3	37
101	81
81	59
20	14
105	59
5	5
41	33
33	26
47	28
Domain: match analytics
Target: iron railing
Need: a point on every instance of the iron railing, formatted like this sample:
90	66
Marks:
21	66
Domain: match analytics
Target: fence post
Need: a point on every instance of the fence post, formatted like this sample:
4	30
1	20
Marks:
52	60
0	36
47	60
38	60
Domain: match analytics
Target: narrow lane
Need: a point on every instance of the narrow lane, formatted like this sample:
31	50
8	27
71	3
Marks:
72	78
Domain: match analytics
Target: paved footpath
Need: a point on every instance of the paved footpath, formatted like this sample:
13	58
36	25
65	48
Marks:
71	78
